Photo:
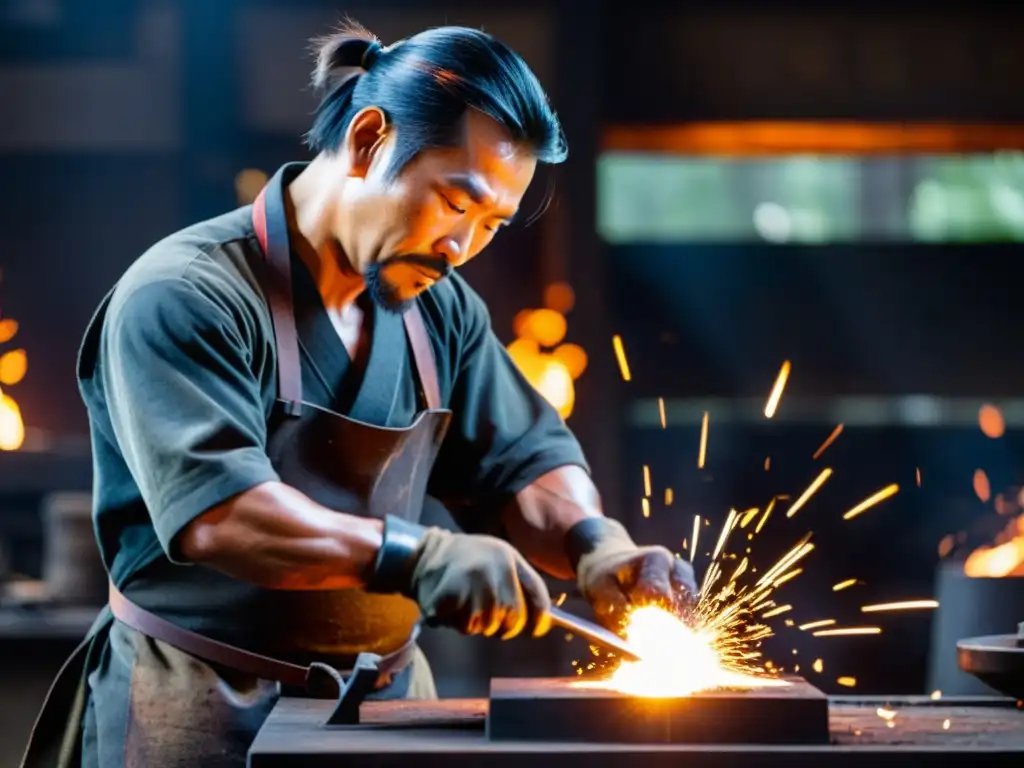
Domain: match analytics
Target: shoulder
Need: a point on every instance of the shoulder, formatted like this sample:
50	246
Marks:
195	277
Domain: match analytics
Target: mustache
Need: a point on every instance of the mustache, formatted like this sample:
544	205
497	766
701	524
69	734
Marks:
433	264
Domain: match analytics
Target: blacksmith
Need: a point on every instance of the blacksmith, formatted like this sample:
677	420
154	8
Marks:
273	393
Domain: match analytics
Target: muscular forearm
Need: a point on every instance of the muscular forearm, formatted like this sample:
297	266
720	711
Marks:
274	536
541	514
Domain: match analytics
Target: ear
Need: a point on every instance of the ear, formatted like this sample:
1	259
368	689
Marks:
365	136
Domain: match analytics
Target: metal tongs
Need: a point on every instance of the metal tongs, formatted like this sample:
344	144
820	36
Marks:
594	633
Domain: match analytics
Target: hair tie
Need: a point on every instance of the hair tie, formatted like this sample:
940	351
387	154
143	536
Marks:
371	54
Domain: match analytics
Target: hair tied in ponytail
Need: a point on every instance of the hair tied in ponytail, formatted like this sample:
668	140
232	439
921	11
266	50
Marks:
372	53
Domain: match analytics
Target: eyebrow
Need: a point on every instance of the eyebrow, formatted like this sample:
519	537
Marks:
477	191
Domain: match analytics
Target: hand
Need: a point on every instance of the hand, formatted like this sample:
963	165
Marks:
613	573
478	585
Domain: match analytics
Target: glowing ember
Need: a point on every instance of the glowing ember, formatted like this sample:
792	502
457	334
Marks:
620	356
678	660
848	631
776	393
702	453
1004	559
811	490
870	501
817	624
904	605
991	421
828	441
982	487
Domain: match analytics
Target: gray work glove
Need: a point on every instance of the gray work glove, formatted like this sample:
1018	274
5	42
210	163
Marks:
613	573
479	585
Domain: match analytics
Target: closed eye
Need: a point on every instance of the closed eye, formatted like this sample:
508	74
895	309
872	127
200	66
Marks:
452	205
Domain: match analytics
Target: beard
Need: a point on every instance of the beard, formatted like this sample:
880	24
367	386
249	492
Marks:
388	296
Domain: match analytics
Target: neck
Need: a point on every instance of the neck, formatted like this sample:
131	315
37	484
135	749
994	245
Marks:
308	203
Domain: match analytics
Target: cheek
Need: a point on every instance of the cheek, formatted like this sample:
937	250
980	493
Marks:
418	224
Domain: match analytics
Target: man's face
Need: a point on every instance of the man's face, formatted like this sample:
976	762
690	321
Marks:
441	211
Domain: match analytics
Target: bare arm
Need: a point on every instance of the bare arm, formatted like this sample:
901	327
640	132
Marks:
274	536
543	512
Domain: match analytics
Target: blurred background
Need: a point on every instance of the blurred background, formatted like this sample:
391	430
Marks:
748	184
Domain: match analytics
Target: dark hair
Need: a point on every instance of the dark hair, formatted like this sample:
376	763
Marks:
424	84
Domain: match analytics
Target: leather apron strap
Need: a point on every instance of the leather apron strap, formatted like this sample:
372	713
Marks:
279	297
257	665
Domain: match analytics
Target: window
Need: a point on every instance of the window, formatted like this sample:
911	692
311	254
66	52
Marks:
669	198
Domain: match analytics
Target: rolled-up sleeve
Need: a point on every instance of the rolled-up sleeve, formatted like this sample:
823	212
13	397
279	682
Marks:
503	435
184	403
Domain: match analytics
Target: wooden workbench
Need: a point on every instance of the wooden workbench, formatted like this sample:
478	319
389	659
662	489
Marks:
450	733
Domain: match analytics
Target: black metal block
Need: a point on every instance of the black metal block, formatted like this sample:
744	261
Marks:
560	709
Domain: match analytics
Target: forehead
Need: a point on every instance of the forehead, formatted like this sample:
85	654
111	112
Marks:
488	154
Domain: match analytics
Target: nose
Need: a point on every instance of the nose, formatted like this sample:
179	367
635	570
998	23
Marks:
454	251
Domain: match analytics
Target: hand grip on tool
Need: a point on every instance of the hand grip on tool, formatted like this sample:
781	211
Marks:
594	633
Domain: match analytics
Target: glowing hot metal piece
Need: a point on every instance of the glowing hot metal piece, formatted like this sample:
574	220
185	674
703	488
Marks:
677	660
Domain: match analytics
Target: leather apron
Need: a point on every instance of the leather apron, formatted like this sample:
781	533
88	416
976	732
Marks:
338	461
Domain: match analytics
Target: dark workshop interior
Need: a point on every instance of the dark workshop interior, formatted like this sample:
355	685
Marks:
833	194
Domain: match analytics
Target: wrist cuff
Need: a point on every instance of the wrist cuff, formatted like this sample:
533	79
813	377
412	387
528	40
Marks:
396	559
584	537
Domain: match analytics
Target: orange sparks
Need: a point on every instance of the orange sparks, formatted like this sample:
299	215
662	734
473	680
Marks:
885	714
788	577
936	695
776	611
702	454
945	724
647	481
730	521
696	532
917	476
982	489
847	682
764	518
767	463
818	666
817	624
661	412
872	500
828	441
777	388
843	585
645	503
668	497
561	599
799	551
811	490
620	355
848	631
749	515
905	605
